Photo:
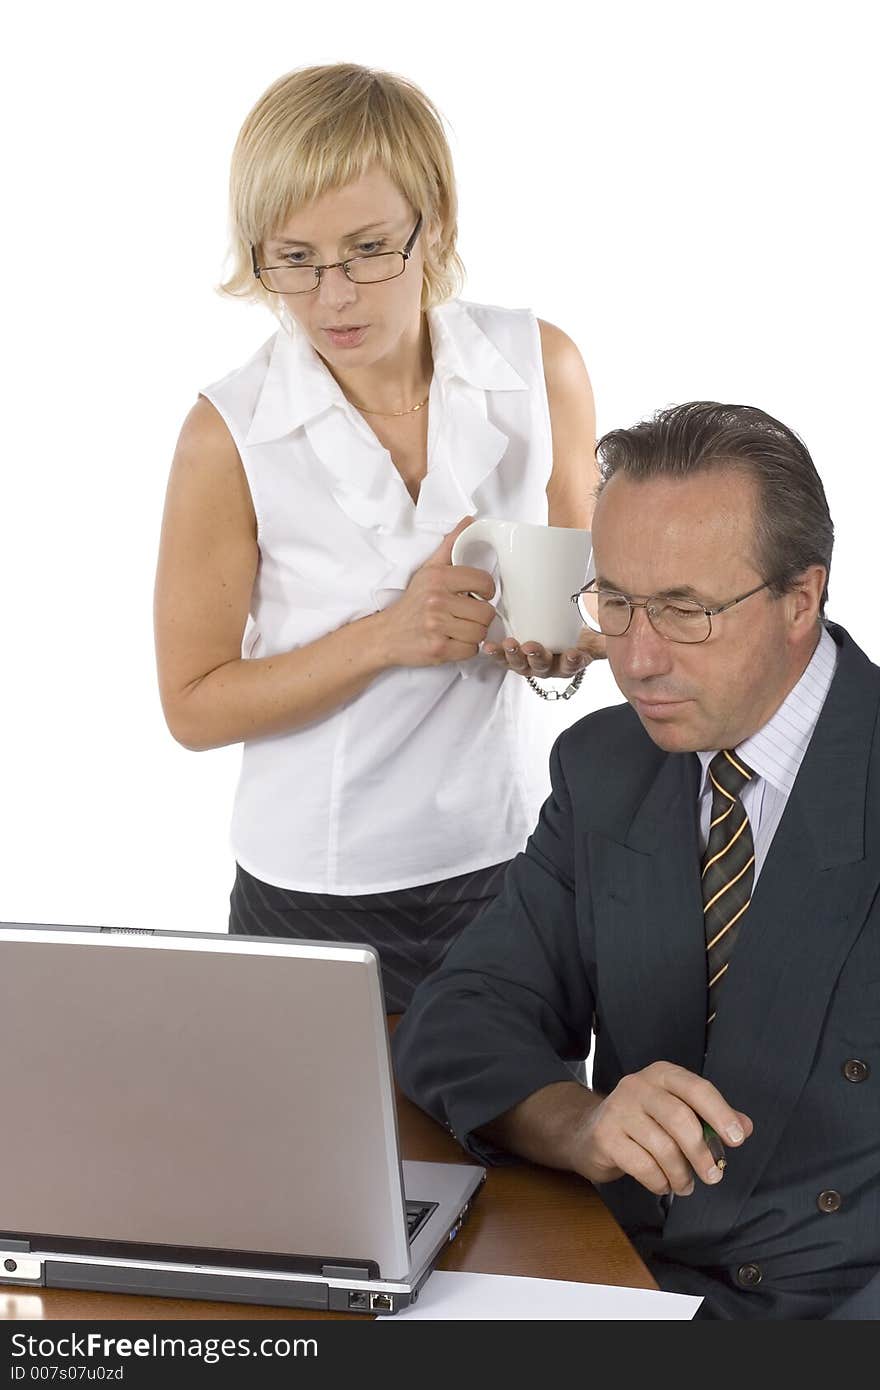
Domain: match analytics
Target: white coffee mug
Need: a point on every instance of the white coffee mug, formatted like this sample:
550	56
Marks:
539	568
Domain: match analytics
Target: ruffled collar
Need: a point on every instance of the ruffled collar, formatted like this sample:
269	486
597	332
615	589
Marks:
464	446
298	385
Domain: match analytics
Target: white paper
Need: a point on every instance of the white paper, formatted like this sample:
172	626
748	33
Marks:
452	1295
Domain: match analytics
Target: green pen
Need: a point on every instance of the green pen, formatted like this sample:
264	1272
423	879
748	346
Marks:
715	1146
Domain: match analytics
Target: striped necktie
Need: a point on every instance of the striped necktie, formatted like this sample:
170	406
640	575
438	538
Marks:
728	868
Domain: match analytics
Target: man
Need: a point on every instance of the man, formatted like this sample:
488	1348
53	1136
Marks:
700	894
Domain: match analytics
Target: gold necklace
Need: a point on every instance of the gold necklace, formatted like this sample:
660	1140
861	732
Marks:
412	410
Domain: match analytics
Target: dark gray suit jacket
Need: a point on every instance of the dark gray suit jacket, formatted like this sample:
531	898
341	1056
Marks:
600	926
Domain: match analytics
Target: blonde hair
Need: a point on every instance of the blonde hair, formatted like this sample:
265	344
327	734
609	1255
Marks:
319	128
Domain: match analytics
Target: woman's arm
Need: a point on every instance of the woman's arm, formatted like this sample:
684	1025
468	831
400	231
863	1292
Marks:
207	564
574	475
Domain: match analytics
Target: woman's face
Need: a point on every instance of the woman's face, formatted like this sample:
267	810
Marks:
353	326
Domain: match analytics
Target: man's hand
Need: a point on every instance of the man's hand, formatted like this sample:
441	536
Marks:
651	1127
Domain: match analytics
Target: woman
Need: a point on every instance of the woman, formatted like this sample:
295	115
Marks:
305	601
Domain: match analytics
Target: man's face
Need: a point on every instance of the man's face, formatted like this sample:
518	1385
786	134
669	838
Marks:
694	538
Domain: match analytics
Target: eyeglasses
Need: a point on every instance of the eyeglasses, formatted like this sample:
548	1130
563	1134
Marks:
681	620
361	270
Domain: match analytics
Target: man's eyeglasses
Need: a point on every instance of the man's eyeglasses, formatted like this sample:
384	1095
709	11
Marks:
678	620
361	270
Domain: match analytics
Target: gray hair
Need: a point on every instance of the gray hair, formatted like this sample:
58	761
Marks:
794	529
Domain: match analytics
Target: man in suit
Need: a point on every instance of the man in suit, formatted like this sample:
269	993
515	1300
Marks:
700	895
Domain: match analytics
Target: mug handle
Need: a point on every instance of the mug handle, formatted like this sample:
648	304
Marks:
477	531
480	531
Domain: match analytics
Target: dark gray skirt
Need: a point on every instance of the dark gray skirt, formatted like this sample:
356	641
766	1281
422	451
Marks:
411	928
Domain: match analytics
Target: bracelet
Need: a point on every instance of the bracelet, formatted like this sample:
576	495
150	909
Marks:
566	694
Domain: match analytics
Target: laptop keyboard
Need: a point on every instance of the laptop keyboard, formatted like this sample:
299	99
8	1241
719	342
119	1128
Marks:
417	1214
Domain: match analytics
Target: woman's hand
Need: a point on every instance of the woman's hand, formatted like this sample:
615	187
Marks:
531	659
442	615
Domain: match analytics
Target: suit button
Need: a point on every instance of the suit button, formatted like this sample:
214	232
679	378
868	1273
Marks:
855	1070
749	1275
829	1201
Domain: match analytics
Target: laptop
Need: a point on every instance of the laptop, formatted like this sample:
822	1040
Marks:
209	1116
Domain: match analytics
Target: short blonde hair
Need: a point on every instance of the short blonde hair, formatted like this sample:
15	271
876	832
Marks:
319	128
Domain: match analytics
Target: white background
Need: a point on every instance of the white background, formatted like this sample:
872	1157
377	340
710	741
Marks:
687	189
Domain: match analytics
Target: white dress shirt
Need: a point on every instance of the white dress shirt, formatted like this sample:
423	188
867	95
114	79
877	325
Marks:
776	752
421	776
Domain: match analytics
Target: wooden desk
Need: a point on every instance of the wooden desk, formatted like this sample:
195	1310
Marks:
527	1220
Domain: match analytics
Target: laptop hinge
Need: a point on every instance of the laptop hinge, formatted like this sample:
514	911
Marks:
15	1247
346	1272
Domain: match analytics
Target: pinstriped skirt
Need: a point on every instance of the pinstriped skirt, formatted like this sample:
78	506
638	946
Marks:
411	928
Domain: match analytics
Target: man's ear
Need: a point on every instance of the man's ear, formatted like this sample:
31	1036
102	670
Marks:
804	598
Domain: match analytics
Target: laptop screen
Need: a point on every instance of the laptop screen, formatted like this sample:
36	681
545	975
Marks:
199	1093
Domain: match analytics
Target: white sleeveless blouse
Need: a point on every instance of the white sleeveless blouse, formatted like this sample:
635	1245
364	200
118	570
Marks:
423	775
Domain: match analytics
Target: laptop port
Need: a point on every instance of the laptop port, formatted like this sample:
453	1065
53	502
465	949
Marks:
359	1300
381	1302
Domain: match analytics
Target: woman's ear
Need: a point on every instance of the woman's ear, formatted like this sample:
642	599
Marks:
431	233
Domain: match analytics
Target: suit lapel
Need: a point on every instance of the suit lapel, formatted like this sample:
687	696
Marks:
809	905
648	916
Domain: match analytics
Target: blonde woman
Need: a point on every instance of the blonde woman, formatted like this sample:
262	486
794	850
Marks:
305	601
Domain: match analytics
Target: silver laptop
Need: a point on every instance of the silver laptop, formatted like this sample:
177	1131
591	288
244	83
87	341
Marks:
198	1116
